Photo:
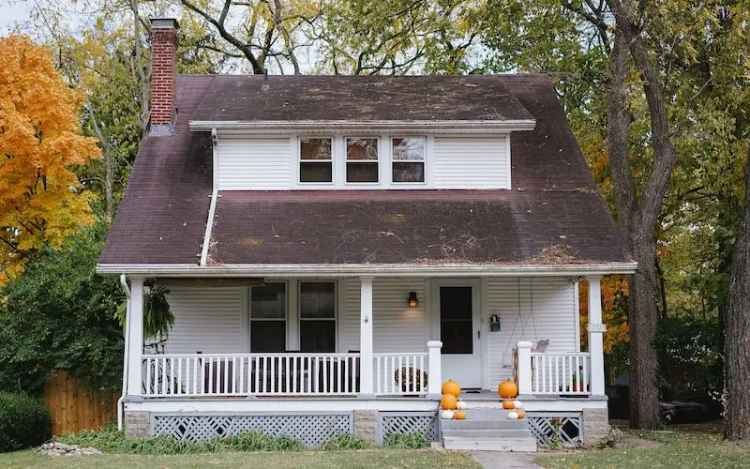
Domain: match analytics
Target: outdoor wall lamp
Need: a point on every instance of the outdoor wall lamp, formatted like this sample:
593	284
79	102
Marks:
412	301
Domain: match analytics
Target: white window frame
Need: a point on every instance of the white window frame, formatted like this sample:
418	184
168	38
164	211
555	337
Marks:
335	317
377	160
331	160
250	317
394	160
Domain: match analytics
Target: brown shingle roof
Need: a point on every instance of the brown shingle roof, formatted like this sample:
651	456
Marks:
552	214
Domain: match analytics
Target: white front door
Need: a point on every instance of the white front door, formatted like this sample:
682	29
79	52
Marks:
458	312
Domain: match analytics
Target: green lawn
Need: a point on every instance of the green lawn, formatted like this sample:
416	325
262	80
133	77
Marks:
374	458
660	449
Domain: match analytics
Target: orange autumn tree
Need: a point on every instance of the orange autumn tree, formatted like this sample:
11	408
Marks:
41	199
614	298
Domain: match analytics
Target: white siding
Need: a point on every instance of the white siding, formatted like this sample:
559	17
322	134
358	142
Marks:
258	163
396	327
529	309
208	320
471	163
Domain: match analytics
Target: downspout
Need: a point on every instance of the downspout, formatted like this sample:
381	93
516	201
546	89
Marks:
120	403
212	207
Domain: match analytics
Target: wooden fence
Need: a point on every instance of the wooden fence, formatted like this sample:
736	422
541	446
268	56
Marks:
75	407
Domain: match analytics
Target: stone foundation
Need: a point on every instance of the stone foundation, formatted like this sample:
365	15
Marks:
595	425
366	425
137	424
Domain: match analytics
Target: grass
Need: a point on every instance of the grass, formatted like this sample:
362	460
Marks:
354	459
673	448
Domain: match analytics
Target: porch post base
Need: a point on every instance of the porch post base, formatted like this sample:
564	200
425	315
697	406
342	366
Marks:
595	426
137	424
366	425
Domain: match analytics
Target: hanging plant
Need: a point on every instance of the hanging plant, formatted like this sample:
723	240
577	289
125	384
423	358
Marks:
157	315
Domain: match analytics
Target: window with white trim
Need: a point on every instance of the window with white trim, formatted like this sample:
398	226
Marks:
315	160
408	165
268	318
362	159
317	318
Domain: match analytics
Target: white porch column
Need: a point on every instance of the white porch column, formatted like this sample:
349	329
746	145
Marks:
435	369
365	338
524	368
596	335
134	323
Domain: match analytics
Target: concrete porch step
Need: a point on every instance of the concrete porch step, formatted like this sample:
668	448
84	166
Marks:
526	445
488	433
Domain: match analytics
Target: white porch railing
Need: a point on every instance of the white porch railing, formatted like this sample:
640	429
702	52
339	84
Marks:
273	374
560	373
402	374
553	373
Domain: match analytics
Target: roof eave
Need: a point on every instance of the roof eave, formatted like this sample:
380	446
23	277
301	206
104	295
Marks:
375	270
422	126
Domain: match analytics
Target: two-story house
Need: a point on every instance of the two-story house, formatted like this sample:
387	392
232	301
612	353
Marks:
335	247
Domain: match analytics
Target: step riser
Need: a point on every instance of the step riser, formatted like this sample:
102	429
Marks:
482	424
506	446
498	434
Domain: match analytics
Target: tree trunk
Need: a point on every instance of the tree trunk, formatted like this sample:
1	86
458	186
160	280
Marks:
737	333
643	313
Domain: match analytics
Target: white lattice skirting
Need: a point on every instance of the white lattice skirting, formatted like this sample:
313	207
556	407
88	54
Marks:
553	430
425	423
313	430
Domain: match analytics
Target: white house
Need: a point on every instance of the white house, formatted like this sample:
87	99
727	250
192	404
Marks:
336	247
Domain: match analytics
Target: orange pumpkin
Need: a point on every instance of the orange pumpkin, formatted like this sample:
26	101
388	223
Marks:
448	402
451	387
507	389
459	415
508	404
520	412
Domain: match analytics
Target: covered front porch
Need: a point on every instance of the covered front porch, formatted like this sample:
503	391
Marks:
373	338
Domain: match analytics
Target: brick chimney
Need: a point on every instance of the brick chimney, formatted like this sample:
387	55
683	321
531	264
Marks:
163	75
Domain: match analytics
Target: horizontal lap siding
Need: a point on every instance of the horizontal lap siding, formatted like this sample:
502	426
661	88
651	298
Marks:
208	320
471	163
261	163
529	309
396	327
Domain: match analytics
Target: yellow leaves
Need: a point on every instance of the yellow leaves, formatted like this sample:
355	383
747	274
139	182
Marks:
615	291
40	144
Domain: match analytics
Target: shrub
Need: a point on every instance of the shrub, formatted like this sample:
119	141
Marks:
110	440
345	441
24	422
405	440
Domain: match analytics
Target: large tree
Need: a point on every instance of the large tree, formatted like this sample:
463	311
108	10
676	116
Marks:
41	199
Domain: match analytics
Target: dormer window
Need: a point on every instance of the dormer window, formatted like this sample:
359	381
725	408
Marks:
315	160
408	159
362	160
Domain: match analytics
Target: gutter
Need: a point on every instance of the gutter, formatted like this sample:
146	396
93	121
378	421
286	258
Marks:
120	401
375	270
462	126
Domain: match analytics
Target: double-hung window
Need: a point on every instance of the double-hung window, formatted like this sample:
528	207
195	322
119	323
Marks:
315	160
268	318
362	160
408	159
317	319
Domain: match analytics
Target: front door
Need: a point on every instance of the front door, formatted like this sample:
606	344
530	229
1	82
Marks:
459	332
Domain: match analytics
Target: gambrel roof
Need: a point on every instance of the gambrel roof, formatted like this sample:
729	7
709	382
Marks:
552	215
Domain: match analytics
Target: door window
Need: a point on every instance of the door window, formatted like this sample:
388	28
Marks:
456	327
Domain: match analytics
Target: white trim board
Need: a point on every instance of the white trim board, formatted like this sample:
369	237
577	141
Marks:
374	270
317	404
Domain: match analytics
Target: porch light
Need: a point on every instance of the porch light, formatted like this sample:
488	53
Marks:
413	301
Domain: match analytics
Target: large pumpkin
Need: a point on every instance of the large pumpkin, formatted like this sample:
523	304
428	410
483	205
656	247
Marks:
451	387
459	415
508	404
507	389
448	402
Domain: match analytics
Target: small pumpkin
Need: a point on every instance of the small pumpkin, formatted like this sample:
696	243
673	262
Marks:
459	415
508	404
447	414
451	387
521	413
507	389
460	405
448	402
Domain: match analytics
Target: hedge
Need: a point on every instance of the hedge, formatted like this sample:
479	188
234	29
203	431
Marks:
24	422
